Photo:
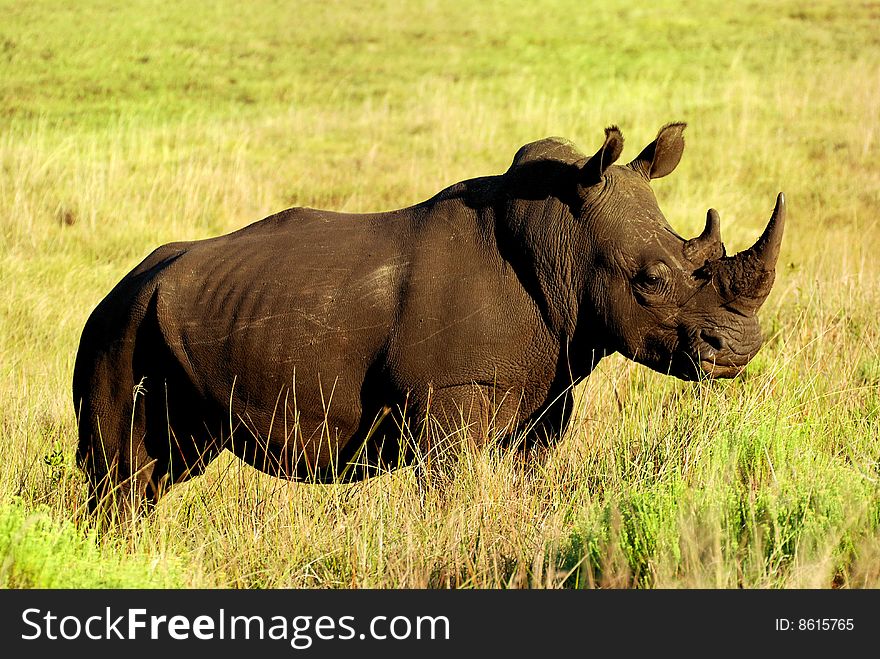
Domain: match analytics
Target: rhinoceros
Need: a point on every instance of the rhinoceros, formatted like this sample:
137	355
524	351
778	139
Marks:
308	343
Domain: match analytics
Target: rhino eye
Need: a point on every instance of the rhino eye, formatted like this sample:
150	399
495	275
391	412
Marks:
652	275
652	279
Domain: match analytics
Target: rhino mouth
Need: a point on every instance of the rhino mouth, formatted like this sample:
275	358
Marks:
695	360
690	366
720	368
726	364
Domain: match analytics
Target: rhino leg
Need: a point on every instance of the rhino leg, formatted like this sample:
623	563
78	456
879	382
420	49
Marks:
109	402
112	452
133	456
457	419
137	435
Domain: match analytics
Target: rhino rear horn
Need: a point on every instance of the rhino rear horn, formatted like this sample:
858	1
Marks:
662	155
707	246
610	151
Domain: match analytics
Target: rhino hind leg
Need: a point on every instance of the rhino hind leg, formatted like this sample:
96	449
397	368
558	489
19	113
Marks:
136	434
112	454
133	457
111	417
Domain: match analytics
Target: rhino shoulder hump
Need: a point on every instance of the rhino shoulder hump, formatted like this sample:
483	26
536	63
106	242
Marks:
556	149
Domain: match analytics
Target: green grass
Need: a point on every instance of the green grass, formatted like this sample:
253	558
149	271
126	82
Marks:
125	126
41	551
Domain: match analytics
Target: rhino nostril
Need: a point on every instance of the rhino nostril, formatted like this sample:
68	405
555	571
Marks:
715	342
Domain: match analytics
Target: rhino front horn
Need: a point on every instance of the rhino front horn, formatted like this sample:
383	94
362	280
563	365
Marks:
766	249
757	265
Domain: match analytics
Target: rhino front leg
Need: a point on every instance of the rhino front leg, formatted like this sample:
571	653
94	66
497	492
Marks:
452	422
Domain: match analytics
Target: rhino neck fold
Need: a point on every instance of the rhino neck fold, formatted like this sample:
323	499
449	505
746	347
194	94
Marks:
534	238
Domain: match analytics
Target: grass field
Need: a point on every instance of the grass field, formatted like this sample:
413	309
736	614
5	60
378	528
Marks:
126	125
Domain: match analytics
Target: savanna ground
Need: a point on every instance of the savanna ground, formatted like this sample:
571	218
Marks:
125	125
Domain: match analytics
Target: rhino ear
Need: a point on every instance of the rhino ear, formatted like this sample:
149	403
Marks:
610	151
662	155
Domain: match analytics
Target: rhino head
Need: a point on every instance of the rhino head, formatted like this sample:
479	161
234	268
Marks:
682	307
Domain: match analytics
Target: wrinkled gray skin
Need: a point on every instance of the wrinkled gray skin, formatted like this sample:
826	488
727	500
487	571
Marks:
302	342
